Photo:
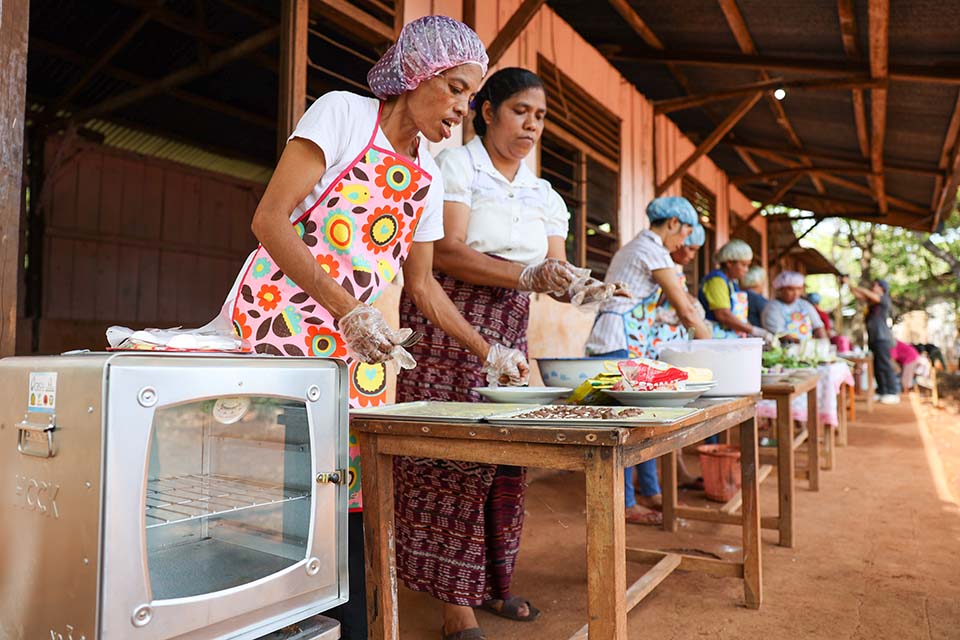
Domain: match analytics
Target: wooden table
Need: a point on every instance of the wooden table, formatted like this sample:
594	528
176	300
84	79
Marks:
783	392
861	362
601	453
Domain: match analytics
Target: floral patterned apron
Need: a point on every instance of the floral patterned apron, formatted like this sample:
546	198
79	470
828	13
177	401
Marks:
797	325
664	331
359	231
738	306
640	328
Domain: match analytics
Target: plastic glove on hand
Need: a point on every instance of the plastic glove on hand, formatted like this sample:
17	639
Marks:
589	292
372	340
506	366
550	276
769	339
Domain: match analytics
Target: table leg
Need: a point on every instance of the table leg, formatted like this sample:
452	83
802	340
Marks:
785	469
871	385
606	545
750	512
378	534
842	415
813	441
669	467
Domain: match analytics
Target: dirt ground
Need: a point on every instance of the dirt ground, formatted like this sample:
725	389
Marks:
877	554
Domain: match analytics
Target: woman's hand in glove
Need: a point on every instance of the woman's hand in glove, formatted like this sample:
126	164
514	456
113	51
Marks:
550	276
372	340
590	291
506	366
768	338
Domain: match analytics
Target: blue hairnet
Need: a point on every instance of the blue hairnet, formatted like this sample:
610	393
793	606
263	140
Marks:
672	207
884	284
697	237
813	298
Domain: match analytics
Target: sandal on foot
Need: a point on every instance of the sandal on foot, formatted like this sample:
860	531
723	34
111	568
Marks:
694	485
510	609
467	634
646	517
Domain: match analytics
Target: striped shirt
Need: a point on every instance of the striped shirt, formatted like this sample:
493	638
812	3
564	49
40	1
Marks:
633	265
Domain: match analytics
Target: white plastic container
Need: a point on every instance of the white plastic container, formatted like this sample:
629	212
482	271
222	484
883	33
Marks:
735	363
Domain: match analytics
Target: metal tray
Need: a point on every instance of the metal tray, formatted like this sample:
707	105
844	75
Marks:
655	416
435	411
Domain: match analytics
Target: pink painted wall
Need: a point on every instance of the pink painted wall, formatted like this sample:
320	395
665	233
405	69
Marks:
556	330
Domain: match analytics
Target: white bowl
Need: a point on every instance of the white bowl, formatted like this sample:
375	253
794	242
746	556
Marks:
660	398
524	395
570	372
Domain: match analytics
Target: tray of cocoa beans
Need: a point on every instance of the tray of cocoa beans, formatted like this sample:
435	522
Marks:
556	414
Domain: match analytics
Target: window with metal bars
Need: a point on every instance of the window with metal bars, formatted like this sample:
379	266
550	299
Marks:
705	202
580	157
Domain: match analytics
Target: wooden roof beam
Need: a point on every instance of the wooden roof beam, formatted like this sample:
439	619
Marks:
933	74
848	32
812	171
207	103
512	29
767	201
818	154
711	141
811	84
947	164
879	13
187	74
177	22
738	26
796	242
856	187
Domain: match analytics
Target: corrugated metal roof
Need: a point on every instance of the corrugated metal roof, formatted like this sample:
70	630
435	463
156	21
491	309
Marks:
157	146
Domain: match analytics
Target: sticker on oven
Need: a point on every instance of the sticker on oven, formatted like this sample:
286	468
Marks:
43	392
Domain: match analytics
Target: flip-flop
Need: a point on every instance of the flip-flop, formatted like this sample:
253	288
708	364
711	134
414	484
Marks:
651	518
510	608
467	634
696	485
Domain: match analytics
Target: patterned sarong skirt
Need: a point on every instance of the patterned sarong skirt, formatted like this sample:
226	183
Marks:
458	523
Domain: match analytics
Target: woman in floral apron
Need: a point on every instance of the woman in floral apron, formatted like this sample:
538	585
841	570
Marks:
668	326
628	327
362	194
789	316
725	303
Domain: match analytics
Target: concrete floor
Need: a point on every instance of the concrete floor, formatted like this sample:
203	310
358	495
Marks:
877	555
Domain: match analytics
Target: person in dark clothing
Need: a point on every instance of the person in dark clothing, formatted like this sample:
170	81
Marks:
934	353
879	338
753	284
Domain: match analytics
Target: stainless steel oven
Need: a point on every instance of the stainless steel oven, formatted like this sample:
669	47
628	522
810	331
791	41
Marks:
162	496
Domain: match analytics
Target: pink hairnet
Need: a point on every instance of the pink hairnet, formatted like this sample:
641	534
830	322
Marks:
425	47
788	279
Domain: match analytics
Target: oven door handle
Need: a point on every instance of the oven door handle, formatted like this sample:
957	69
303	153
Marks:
26	426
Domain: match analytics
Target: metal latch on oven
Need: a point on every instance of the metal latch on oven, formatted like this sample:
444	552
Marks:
34	433
332	477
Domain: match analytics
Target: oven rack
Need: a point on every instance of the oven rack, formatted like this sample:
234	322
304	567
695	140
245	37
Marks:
174	499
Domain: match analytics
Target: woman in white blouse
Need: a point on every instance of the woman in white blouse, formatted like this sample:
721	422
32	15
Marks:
458	524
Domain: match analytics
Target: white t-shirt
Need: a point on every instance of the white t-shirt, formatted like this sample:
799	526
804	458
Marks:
633	265
508	219
340	123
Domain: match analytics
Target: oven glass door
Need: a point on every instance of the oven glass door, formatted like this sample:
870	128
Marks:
228	493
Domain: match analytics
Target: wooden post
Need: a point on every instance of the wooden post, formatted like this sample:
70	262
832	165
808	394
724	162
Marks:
293	68
750	513
785	469
14	20
380	541
606	544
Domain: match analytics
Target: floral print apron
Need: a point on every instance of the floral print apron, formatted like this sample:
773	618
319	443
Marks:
359	231
643	334
797	325
738	306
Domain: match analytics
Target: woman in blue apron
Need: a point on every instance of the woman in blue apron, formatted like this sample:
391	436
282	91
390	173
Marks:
668	326
725	303
790	316
625	327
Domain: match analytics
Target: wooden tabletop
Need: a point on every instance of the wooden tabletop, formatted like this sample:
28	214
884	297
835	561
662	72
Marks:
600	435
796	383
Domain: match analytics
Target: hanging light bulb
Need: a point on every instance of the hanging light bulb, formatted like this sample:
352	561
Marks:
779	94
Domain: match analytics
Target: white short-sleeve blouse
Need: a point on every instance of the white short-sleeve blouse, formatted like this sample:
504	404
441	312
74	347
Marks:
508	219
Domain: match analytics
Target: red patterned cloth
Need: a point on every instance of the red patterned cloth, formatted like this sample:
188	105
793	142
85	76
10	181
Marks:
458	524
